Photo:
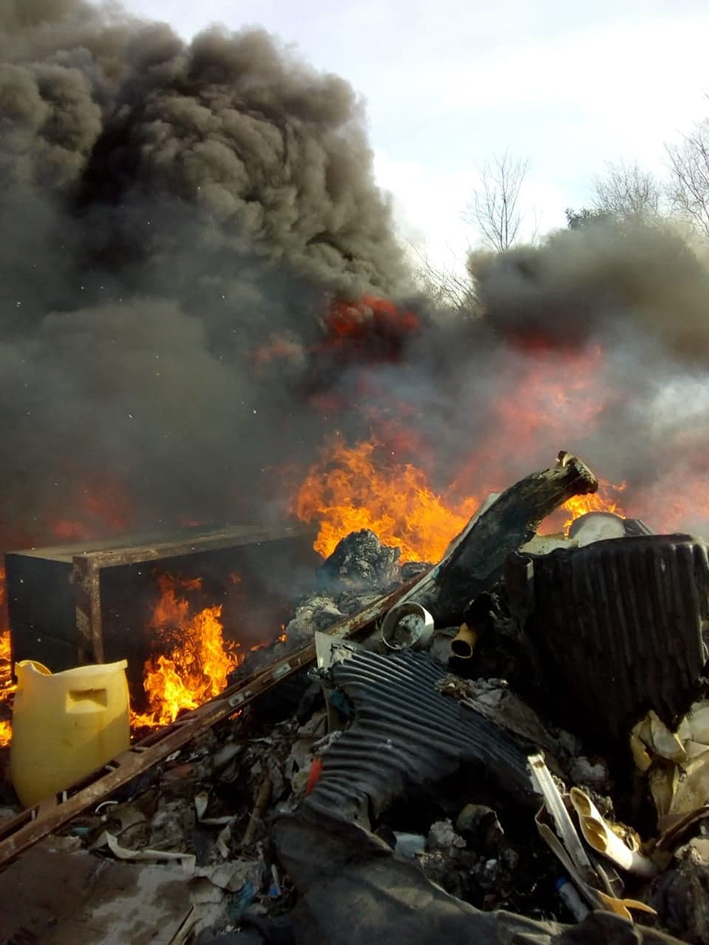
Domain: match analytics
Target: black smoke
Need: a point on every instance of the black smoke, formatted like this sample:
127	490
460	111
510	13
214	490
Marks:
194	258
177	219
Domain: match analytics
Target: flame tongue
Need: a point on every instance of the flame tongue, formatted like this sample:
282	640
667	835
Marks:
349	489
199	659
7	687
357	487
607	499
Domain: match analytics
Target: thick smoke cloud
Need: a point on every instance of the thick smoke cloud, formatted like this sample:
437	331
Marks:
176	219
608	278
193	248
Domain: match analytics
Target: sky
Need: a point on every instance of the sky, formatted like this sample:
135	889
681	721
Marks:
450	85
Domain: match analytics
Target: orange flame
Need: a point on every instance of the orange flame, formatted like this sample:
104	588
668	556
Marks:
349	490
7	686
555	395
600	501
199	661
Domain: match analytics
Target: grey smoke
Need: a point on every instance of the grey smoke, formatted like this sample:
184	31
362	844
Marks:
607	277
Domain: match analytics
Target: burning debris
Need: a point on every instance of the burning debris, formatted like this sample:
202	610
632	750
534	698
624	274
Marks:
198	661
396	775
202	219
7	686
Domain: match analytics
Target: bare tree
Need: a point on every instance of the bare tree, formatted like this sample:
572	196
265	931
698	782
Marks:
689	185
447	287
495	206
625	190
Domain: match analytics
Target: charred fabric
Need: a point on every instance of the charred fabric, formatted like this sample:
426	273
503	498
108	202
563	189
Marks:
514	751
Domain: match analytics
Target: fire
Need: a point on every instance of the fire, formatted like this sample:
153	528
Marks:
372	326
556	395
350	489
600	501
7	687
357	335
199	659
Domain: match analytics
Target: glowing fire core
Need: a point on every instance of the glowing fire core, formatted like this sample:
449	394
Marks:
198	659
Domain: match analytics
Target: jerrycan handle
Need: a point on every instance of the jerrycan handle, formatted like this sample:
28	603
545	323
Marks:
86	700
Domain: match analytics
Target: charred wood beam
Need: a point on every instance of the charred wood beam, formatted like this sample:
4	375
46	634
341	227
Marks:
476	558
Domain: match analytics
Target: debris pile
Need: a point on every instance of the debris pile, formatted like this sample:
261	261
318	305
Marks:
515	750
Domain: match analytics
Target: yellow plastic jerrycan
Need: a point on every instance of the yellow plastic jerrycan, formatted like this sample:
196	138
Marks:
65	725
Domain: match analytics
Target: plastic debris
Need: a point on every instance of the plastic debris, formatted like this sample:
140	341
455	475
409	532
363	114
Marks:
675	763
568	847
605	839
409	844
107	840
407	626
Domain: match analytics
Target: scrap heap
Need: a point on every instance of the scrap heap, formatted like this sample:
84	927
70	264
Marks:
515	750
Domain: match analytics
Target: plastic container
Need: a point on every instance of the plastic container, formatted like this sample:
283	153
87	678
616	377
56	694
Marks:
409	844
66	725
407	626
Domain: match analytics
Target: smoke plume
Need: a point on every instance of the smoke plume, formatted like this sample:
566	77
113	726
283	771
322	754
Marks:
197	283
171	214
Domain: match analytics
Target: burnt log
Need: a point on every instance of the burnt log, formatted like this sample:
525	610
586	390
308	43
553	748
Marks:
474	561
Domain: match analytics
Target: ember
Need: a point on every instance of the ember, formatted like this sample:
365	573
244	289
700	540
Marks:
198	659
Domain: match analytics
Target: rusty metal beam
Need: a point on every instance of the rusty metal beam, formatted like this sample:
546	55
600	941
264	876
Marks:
22	832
